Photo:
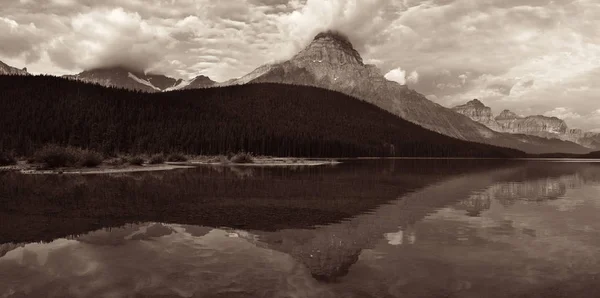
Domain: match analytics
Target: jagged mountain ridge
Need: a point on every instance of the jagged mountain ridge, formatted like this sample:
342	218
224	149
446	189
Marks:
125	78
196	83
535	125
331	62
122	77
6	69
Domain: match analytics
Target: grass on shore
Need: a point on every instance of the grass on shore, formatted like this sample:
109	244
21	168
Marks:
54	156
136	160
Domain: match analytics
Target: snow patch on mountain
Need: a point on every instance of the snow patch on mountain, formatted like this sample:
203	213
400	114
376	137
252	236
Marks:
143	82
181	85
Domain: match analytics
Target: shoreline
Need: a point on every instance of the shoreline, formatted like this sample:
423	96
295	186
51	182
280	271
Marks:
270	162
35	169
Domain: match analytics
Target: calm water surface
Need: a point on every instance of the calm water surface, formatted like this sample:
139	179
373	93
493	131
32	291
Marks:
377	228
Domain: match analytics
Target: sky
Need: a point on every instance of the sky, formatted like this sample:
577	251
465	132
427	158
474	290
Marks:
529	56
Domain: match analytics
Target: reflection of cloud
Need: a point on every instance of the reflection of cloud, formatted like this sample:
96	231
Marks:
395	238
170	265
403	236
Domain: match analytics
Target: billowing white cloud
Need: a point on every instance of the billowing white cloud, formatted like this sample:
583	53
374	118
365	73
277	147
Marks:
397	75
363	21
109	37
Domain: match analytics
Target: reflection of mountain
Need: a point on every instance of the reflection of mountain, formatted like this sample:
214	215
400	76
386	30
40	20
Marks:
536	182
331	250
117	236
475	204
532	190
548	182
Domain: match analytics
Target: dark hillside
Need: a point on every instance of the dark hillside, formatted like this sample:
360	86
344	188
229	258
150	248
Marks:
266	119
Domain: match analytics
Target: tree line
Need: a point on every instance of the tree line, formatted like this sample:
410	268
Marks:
265	119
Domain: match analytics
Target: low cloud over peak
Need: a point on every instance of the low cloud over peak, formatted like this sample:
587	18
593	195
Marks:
528	56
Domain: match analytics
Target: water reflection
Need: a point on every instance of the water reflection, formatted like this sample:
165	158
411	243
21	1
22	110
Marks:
373	229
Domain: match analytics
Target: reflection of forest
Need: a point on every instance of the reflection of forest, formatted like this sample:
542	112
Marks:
44	207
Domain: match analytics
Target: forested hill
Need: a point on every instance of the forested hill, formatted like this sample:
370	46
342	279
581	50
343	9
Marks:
266	119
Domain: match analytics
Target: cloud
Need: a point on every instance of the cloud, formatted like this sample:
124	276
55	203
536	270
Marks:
110	37
562	113
19	39
397	75
413	78
363	21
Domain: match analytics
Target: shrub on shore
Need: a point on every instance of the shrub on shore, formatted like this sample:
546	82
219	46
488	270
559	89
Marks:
177	157
136	160
157	159
7	159
54	156
90	159
242	157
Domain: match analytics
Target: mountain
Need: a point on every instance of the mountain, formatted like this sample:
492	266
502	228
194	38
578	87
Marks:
537	125
477	111
331	62
266	119
198	82
6	69
532	125
121	77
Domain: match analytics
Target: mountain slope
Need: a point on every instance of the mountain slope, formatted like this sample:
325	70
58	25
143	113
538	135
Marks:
536	125
198	82
121	77
6	69
331	62
267	119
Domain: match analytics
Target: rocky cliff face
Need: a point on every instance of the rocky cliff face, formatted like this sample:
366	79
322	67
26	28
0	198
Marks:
331	62
200	82
533	125
477	111
6	69
538	125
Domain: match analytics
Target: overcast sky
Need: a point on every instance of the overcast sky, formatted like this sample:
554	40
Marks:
533	57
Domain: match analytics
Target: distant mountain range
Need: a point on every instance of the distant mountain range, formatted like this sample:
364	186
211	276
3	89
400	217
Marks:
331	62
134	80
536	125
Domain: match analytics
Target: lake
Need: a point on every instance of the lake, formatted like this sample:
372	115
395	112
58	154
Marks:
363	228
